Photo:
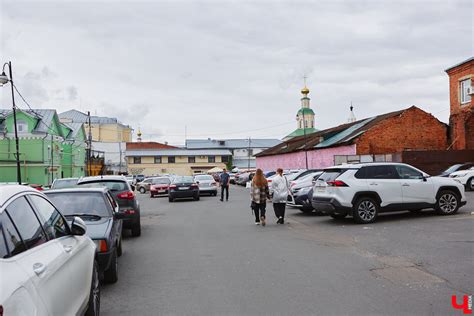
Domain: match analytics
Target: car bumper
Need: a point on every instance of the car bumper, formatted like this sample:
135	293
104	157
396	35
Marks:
208	190
131	217
183	194
159	192
330	206
103	260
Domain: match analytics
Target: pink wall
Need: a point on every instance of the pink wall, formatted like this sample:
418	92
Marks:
319	158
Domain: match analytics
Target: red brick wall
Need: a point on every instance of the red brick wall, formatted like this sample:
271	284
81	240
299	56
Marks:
147	145
470	132
459	114
413	129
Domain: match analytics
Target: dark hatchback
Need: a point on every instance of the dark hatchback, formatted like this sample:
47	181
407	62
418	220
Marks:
183	187
97	208
123	194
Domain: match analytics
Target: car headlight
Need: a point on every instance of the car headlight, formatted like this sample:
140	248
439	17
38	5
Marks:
304	190
459	175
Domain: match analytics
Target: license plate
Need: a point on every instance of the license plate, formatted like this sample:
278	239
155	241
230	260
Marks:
183	188
161	191
321	189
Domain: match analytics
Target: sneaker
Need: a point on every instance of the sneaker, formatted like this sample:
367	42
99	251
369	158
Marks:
222	200
262	220
280	220
257	223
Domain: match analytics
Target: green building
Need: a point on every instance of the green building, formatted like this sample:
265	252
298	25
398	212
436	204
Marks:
48	148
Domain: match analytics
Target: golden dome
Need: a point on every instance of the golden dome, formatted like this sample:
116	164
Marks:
305	90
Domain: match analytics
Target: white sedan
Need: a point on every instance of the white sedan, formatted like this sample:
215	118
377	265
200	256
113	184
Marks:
47	266
465	177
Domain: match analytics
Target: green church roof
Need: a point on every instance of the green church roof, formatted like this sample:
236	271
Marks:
305	111
301	132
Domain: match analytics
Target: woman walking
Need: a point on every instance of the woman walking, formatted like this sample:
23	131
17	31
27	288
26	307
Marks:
280	195
259	194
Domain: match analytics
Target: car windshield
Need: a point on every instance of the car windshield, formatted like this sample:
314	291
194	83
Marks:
203	178
111	185
70	203
64	183
452	168
161	181
184	179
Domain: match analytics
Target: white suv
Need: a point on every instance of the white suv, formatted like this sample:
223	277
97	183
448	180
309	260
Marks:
367	189
47	266
465	177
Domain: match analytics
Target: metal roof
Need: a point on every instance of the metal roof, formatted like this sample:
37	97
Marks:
231	143
75	127
76	116
179	152
45	118
461	63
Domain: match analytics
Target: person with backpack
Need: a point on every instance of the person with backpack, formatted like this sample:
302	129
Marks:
259	194
280	195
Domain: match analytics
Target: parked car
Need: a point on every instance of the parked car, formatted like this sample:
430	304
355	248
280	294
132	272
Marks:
367	189
48	266
306	180
160	186
139	178
465	177
123	195
99	211
144	186
206	184
244	178
301	191
38	187
457	167
64	183
232	177
183	187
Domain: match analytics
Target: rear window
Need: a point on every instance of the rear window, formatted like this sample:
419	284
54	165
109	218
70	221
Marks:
64	183
331	175
111	185
70	203
183	180
161	181
200	178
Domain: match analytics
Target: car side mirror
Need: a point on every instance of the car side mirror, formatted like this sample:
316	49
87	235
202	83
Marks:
133	187
78	227
197	182
119	215
424	178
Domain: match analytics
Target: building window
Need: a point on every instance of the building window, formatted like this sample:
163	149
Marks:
211	159
22	126
191	159
465	96
157	159
225	159
171	159
137	160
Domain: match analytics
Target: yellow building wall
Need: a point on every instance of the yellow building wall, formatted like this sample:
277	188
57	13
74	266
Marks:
181	166
109	132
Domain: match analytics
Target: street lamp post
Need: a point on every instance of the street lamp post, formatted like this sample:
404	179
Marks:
3	80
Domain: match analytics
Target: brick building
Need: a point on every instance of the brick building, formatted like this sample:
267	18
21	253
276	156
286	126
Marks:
461	97
390	133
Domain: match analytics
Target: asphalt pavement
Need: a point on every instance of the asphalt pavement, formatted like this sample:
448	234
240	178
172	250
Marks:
208	258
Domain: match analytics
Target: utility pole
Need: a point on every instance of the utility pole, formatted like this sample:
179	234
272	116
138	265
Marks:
89	153
52	159
120	163
248	150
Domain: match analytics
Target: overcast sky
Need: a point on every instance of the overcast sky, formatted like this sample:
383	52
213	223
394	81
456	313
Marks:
233	69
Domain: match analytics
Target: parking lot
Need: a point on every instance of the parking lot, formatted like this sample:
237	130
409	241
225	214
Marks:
207	257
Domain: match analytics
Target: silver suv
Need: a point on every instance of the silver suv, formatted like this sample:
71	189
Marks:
367	189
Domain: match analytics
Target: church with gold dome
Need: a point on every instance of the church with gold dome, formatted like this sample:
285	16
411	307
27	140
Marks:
304	118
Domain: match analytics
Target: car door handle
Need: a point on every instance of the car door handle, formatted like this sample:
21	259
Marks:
67	248
405	185
373	183
39	268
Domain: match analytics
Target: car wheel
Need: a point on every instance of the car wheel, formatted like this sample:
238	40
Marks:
196	198
365	210
306	210
470	184
119	248
338	216
170	199
447	203
93	306
111	274
142	190
137	229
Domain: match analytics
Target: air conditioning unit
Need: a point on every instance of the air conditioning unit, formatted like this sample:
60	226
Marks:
470	90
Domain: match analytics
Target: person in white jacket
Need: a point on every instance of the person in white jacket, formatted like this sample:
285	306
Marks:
280	195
